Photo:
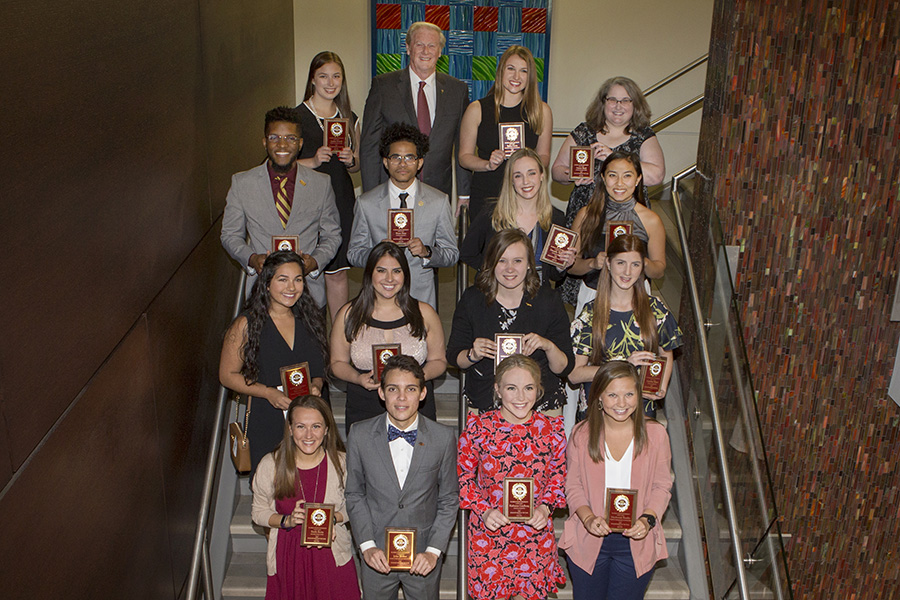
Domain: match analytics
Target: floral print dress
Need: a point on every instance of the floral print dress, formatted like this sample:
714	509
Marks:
517	559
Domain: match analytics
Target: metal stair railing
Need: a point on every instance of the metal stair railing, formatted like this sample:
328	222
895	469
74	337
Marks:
462	282
200	554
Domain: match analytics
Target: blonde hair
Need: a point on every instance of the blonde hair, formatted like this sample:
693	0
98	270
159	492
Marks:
518	361
507	208
532	105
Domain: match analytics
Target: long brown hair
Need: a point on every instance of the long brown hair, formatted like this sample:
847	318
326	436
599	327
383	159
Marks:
506	209
342	100
532	107
286	452
595	211
595	116
640	301
615	369
487	282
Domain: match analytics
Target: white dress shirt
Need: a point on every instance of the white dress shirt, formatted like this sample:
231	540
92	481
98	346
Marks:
430	92
394	194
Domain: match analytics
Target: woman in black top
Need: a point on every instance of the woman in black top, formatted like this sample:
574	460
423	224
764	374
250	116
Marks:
508	298
524	203
281	326
327	97
514	98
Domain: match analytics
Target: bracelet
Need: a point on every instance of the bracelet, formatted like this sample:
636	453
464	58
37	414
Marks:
469	356
283	517
585	522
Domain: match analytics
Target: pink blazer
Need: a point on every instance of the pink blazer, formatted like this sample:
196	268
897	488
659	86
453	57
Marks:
586	482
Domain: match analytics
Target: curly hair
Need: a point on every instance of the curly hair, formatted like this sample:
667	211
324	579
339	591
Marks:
256	310
486	281
403	132
362	306
596	115
595	213
282	114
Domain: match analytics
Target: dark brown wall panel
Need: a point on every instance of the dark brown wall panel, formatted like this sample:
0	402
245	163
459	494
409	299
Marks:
107	112
800	139
86	518
186	323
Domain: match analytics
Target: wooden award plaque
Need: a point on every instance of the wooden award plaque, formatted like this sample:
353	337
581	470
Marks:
507	345
380	355
399	547
512	137
282	243
616	228
558	239
581	162
318	525
337	134
295	380
620	508
652	375
518	498
400	225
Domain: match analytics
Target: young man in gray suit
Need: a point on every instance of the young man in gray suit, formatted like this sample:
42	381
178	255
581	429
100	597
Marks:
420	96
402	151
401	472
282	198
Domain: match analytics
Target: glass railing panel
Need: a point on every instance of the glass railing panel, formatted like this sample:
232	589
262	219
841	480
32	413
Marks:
741	460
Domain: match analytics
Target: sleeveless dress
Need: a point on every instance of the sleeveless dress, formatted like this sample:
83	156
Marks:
265	428
303	572
517	559
362	403
313	132
486	184
581	194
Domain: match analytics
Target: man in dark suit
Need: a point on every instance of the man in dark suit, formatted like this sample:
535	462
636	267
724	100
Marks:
402	150
282	198
420	96
401	472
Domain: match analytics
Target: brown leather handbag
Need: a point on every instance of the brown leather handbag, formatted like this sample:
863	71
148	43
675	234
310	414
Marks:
240	445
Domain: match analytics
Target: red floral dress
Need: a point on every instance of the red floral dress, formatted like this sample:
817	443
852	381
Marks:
517	559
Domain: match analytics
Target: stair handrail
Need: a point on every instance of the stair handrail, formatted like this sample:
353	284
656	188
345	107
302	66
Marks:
200	554
672	77
724	472
462	282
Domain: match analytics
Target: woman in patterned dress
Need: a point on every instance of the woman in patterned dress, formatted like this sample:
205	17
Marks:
638	326
512	559
617	119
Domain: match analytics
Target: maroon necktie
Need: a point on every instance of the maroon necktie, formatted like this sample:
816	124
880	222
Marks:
422	114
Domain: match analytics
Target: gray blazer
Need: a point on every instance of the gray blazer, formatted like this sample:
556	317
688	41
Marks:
432	223
250	212
390	101
430	495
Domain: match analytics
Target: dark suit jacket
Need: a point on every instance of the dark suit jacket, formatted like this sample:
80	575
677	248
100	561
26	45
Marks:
432	223
429	498
250	213
390	101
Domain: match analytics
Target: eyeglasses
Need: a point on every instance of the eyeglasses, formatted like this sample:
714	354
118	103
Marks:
614	101
396	159
274	138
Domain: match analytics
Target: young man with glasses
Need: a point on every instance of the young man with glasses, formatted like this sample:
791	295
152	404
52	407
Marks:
432	244
282	198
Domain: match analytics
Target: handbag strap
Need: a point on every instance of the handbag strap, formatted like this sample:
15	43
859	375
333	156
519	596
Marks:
237	408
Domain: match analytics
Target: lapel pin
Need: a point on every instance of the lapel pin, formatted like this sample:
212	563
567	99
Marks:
302	182
421	203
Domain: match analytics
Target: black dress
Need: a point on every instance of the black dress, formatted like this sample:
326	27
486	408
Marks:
486	184
265	428
313	139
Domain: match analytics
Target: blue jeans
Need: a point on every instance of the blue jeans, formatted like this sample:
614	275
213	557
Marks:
613	575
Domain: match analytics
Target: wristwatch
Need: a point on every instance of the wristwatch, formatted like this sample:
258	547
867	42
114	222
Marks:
428	252
651	520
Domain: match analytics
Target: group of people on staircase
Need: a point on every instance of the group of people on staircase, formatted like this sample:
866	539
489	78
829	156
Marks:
563	418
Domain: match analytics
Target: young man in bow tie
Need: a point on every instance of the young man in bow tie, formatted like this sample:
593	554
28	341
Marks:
401	473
